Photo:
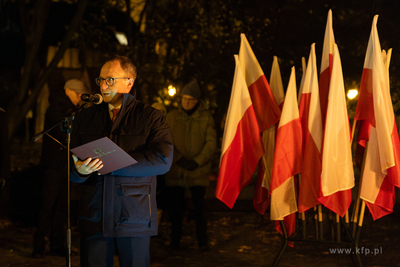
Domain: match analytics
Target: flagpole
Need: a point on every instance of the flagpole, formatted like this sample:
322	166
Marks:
353	127
360	223
356	207
316	223
302	215
303	221
321	232
357	203
338	239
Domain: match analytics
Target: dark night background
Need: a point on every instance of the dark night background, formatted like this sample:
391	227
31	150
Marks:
172	42
200	38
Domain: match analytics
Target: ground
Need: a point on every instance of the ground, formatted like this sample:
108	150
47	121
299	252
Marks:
238	237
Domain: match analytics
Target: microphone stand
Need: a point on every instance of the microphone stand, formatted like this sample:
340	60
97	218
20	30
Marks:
66	123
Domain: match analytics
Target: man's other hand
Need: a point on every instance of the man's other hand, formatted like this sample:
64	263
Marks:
88	166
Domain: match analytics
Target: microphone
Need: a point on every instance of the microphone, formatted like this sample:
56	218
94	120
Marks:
95	99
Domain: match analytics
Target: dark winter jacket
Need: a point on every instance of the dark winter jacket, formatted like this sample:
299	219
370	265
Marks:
123	202
195	139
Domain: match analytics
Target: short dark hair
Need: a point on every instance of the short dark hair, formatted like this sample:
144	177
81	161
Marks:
126	64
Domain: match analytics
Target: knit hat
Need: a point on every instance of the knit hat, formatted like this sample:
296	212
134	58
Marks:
192	89
76	85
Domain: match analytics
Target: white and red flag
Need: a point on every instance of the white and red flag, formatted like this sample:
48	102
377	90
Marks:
287	160
304	68
337	177
241	145
261	193
326	66
276	83
363	126
265	106
374	108
310	114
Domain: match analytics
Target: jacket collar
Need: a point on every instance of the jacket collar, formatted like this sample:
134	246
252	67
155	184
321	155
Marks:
195	114
128	100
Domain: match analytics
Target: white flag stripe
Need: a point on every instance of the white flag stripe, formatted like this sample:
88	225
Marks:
329	41
290	110
304	67
275	82
372	170
383	109
337	164
380	153
283	200
315	119
236	110
249	62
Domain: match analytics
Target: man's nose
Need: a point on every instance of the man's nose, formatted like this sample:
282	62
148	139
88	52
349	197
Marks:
103	85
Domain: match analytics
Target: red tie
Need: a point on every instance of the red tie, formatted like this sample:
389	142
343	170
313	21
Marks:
115	112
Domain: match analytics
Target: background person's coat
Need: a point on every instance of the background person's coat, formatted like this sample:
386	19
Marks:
194	138
123	203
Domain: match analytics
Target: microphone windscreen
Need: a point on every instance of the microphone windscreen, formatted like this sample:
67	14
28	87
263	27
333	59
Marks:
100	99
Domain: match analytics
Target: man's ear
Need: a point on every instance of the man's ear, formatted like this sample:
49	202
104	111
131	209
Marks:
129	85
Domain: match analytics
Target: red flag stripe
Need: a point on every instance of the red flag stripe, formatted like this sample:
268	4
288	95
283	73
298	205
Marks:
365	103
263	100
245	147
285	152
324	81
309	187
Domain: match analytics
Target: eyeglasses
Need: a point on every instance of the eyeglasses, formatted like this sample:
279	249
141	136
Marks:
109	80
188	98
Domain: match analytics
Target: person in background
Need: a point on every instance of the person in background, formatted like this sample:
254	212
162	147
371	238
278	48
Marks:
53	213
118	210
194	136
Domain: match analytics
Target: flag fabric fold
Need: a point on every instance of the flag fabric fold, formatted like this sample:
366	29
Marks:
241	145
304	68
287	160
337	176
276	83
310	114
261	192
374	108
263	100
326	66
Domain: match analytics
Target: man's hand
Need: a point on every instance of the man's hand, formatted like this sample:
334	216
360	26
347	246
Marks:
88	166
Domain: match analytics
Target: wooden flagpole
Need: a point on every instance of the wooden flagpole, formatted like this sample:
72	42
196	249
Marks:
316	223
356	205
356	214
320	222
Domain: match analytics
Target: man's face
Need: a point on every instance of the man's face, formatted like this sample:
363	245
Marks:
113	93
188	102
